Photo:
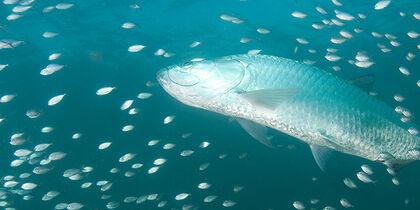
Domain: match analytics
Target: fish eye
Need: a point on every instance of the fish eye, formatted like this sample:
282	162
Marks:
187	64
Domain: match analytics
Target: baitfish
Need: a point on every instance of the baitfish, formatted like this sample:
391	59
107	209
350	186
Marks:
302	101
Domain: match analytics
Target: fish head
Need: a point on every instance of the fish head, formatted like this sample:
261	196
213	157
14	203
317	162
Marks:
198	83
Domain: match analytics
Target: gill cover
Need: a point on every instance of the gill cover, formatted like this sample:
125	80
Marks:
220	75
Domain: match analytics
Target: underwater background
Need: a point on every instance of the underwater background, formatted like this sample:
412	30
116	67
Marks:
95	39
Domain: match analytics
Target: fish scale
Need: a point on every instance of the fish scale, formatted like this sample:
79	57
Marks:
328	83
326	111
330	96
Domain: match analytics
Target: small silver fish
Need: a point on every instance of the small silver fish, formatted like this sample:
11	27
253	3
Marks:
362	176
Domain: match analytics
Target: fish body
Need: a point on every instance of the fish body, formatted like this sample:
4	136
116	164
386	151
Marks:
297	99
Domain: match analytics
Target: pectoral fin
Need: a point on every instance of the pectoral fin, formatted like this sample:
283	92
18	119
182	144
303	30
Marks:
257	131
269	98
321	155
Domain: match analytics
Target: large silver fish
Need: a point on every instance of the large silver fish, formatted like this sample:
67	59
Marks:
297	99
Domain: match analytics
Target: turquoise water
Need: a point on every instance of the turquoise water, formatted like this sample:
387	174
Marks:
94	52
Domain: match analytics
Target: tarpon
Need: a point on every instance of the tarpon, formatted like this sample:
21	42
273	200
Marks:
300	100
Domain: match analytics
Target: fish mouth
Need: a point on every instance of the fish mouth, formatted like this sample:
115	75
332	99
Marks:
164	81
162	76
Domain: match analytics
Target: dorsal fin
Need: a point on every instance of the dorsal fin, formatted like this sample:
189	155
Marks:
364	82
257	131
269	98
321	155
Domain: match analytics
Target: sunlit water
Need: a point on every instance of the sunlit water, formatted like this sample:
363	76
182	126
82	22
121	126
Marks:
95	52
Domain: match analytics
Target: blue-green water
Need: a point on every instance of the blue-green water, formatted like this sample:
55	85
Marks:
95	54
